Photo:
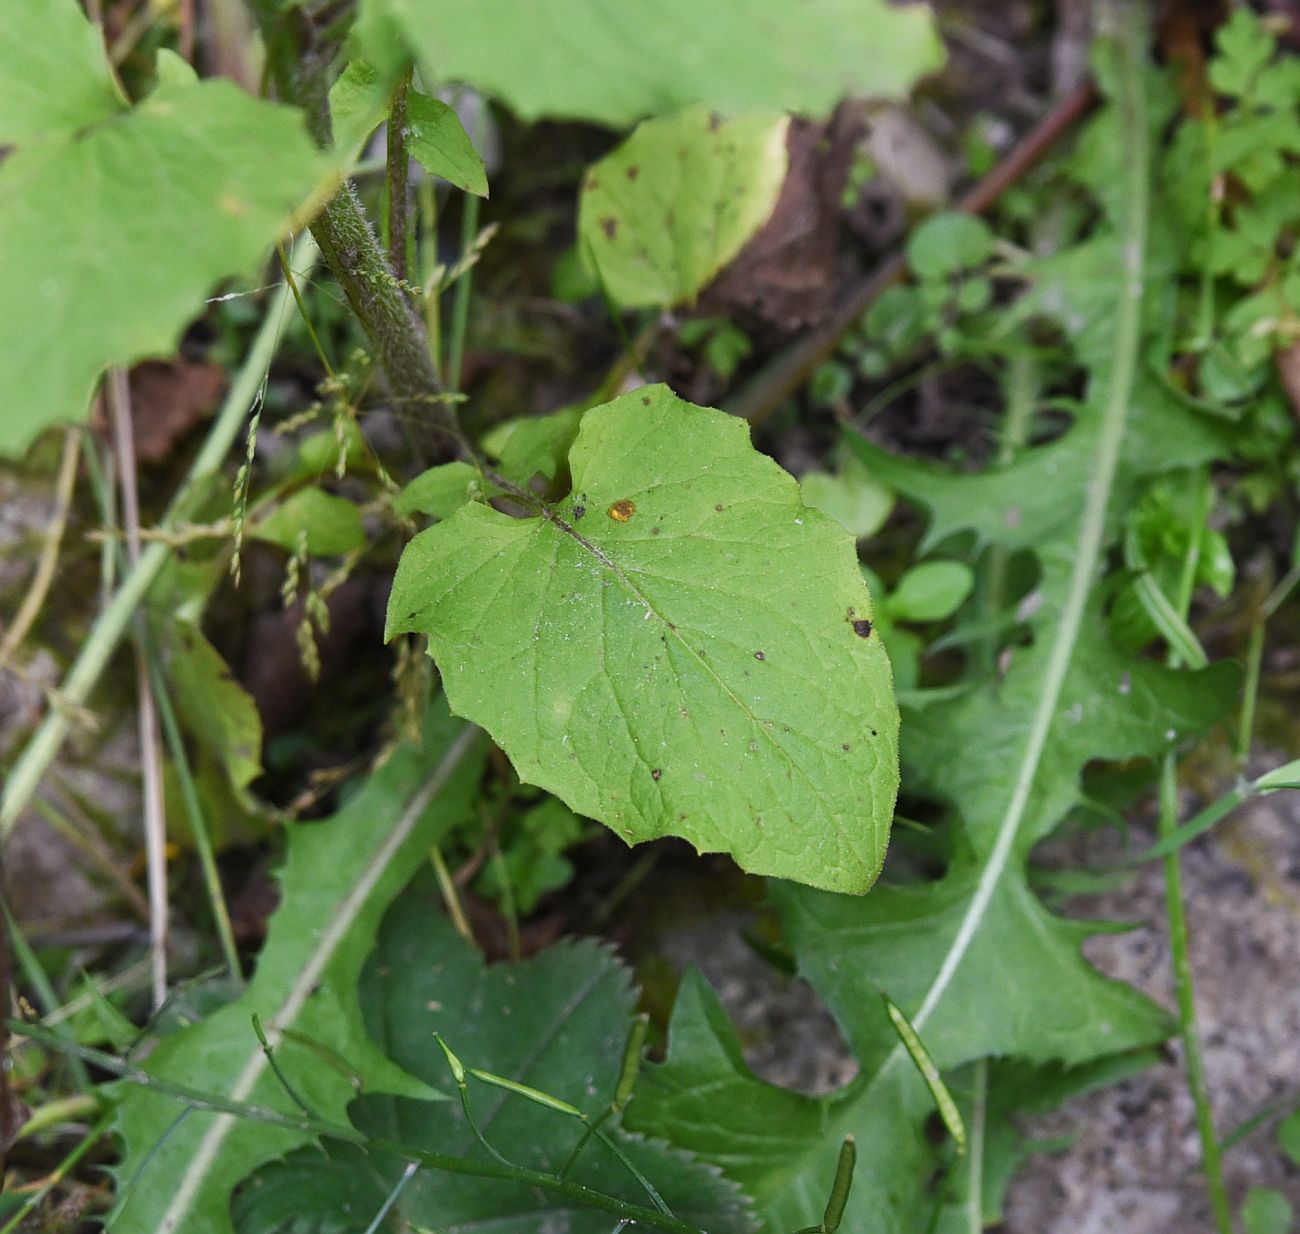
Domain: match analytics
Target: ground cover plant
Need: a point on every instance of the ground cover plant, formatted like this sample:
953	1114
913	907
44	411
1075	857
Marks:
416	388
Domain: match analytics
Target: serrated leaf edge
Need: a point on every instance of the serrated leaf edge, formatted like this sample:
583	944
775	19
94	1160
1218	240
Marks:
187	1186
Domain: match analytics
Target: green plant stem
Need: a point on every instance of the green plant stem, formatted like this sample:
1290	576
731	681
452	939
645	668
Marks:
44	745
198	1100
194	812
1170	842
1023	387
1250	692
464	289
348	242
34	974
1255	660
58	1174
1175	912
1185	994
393	1196
427	256
975	1160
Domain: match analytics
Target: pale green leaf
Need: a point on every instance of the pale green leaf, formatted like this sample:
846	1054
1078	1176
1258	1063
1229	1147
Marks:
931	591
948	243
615	64
680	647
851	497
782	1147
115	222
359	102
54	76
438	140
340	875
536	445
438	492
217	711
1266	1211
329	525
663	213
557	1024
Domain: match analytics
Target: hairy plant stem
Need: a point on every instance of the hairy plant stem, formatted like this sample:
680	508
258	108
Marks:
301	57
398	169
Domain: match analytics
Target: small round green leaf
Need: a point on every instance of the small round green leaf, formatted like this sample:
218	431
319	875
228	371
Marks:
948	243
931	591
680	647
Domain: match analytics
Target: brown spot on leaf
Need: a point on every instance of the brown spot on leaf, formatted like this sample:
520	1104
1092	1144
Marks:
760	655
845	747
862	628
622	511
656	773
719	507
633	172
578	512
609	225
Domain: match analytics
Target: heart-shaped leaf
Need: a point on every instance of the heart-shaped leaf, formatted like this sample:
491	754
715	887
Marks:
679	647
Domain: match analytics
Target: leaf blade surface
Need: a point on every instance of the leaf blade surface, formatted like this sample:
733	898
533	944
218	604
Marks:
680	647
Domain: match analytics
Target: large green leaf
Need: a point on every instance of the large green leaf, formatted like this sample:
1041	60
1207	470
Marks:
54	74
115	221
176	1177
662	214
617	63
974	959
896	939
680	647
558	1023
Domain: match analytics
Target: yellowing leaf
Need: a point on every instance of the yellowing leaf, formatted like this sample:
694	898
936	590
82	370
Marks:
663	213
